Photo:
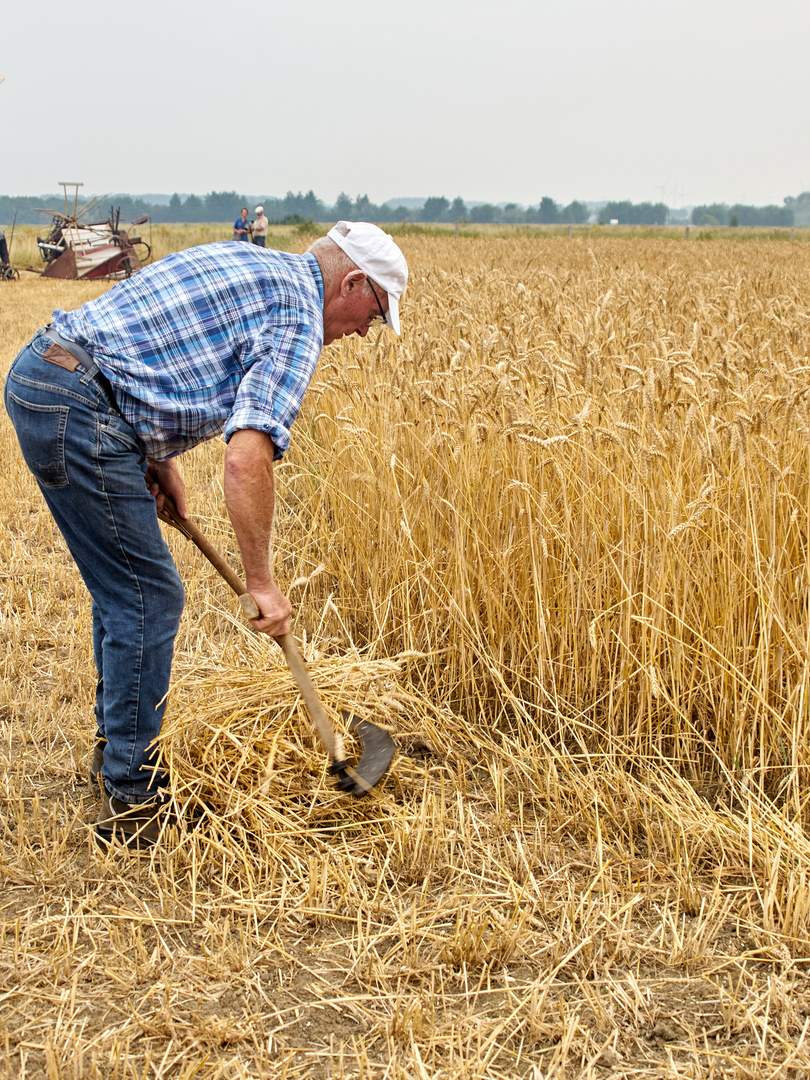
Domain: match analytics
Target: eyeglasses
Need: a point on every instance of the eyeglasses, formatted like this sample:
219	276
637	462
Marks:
376	320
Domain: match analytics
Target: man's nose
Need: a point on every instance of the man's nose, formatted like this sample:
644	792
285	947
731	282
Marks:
362	330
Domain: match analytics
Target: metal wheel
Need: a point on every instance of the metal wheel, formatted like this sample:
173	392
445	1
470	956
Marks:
129	265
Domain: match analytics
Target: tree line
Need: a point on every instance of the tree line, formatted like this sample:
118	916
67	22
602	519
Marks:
300	206
720	214
294	207
628	213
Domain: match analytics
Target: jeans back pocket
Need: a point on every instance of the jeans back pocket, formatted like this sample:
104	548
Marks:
41	434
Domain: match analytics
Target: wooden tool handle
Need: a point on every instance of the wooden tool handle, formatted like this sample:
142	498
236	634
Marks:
295	661
287	643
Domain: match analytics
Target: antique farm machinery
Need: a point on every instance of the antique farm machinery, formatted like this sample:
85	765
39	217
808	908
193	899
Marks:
76	248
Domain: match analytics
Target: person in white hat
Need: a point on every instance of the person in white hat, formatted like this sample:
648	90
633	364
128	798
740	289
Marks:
228	346
375	254
260	227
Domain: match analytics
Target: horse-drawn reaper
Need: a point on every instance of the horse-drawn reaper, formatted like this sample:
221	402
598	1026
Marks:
80	249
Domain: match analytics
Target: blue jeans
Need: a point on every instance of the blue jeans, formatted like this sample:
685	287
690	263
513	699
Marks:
90	469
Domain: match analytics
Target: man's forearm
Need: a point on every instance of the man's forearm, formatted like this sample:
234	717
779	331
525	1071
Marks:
250	499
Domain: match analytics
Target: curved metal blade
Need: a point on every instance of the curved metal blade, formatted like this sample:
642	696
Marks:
378	753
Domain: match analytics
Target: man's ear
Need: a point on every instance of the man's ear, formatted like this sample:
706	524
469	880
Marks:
351	281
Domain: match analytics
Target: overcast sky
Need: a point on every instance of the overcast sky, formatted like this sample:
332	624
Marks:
687	102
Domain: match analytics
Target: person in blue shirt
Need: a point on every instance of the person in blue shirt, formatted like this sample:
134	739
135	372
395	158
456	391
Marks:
241	227
218	339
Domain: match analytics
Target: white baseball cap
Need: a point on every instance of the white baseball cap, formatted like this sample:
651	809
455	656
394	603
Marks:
259	210
376	254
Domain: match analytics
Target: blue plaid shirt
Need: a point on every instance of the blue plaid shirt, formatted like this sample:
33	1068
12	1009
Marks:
209	340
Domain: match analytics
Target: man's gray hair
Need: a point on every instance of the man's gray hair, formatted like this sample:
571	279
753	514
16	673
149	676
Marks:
333	261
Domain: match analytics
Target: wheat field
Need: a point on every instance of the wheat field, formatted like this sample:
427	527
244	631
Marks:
554	539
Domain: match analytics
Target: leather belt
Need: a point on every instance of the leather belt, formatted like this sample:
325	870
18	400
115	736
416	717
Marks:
66	354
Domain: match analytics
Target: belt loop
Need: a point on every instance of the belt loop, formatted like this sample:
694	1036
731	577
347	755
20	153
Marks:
90	374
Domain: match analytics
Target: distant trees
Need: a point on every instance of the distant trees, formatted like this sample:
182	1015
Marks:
483	213
551	213
765	216
548	212
363	208
712	214
305	205
439	208
194	209
343	207
769	216
800	205
435	209
576	213
224	206
628	213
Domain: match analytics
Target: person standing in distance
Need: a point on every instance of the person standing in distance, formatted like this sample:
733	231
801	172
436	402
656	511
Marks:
241	227
260	227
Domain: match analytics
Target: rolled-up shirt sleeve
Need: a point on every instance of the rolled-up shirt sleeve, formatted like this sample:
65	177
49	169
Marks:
279	370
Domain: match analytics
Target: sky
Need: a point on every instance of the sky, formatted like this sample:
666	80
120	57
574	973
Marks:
686	102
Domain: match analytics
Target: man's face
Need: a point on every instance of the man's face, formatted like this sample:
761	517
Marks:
353	309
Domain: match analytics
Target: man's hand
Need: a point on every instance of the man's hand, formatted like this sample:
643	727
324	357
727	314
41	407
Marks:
276	610
166	480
